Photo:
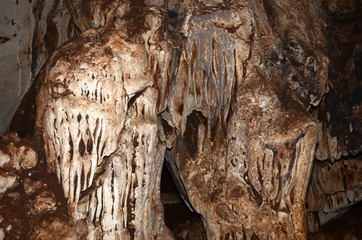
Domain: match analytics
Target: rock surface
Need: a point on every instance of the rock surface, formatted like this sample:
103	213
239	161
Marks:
33	206
254	105
30	32
333	190
97	115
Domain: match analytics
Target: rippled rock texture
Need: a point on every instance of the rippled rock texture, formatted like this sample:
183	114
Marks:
251	105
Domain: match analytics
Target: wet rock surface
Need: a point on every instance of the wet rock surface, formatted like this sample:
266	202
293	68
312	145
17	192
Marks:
252	106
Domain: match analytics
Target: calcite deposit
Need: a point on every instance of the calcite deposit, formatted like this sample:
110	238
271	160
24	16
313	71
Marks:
254	107
98	119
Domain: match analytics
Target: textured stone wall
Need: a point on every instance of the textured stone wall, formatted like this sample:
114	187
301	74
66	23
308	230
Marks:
254	106
30	31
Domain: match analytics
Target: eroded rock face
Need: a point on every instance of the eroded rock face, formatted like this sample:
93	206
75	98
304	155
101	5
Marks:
232	94
97	114
334	187
249	150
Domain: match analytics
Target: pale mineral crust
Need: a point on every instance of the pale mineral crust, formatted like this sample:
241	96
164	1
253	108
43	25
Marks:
96	111
254	105
248	142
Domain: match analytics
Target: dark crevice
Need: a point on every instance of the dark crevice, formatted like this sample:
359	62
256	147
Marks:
178	216
133	99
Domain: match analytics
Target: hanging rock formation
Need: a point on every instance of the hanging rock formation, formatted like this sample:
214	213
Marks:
97	113
245	101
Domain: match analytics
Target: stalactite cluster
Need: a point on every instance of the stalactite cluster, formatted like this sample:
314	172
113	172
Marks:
253	107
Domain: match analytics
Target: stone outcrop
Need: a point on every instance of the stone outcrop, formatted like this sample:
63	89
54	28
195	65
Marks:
97	115
254	106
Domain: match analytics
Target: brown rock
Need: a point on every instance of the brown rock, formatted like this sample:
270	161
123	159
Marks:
7	181
233	94
54	228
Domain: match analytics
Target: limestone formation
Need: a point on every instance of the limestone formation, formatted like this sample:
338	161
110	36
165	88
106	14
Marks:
98	118
254	107
250	146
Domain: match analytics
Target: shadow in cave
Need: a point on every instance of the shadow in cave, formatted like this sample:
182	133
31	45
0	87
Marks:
346	227
183	223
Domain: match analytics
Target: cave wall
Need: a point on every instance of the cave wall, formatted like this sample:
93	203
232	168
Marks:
255	106
30	31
